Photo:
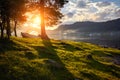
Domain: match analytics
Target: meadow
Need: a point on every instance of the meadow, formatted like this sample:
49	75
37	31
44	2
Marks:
37	59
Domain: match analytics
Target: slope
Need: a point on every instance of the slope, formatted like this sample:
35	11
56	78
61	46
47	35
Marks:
36	59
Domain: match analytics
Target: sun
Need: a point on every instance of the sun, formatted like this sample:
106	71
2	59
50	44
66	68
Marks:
36	21
33	21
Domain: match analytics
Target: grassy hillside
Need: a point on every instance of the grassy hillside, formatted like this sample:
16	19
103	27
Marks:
36	59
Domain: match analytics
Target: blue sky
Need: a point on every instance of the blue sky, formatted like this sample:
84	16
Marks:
115	1
91	10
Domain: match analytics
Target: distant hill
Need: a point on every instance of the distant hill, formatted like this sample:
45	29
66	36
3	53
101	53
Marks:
113	25
100	33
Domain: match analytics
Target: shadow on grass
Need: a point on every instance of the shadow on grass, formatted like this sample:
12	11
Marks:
105	68
56	66
10	45
6	45
70	47
91	76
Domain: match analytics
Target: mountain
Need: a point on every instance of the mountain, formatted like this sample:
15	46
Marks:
113	25
101	33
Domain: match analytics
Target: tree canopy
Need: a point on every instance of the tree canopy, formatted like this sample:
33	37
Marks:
10	10
49	11
13	10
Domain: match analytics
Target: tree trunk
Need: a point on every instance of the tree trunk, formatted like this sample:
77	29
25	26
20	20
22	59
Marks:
8	28
15	26
1	27
2	32
43	31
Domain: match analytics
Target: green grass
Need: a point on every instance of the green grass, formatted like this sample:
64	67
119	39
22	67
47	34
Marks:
36	59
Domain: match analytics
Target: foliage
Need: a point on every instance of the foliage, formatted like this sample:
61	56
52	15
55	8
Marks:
49	11
52	9
36	59
11	10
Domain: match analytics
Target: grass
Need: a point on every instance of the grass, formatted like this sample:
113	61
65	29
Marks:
36	59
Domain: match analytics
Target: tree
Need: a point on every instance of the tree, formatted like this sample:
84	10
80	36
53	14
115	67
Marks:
10	10
18	10
3	16
50	13
2	25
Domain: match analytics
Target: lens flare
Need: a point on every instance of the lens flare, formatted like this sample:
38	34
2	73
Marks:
33	23
34	33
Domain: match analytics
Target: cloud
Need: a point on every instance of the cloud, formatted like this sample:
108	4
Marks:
103	4
103	16
81	4
70	14
117	13
88	10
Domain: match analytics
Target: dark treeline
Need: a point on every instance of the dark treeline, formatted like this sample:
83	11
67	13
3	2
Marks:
12	13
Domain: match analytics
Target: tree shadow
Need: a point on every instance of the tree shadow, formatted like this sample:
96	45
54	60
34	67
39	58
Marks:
91	76
10	45
105	68
70	47
56	66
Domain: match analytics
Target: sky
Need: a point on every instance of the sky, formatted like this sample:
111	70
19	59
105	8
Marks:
90	10
85	10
